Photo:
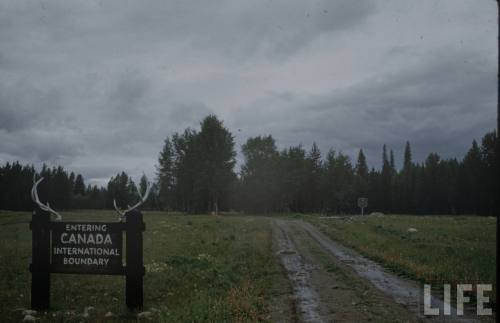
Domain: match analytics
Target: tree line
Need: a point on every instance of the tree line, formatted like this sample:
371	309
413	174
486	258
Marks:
65	190
196	174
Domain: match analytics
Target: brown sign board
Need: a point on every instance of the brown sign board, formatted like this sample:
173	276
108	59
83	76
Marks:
86	248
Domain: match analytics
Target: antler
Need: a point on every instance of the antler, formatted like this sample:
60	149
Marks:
34	197
141	201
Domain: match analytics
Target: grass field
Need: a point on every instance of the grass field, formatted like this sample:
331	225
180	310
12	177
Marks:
222	268
198	268
451	249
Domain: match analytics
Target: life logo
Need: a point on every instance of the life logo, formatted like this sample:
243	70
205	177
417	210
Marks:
464	295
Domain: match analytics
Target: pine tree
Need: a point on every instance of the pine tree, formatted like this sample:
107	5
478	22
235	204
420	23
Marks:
386	181
361	188
215	160
314	199
72	181
392	163
185	165
431	182
259	183
361	168
61	189
121	189
407	158
165	175
470	181
292	173
150	203
143	184
340	189
405	183
489	174
132	196
79	188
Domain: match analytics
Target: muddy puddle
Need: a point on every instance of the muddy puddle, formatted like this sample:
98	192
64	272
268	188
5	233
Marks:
306	298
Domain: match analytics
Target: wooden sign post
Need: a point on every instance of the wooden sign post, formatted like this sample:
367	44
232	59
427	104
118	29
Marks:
40	266
135	266
86	248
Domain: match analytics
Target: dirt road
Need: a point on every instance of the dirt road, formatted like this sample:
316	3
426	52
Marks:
333	283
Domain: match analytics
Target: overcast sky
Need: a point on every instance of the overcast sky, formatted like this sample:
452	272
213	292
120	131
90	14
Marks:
96	86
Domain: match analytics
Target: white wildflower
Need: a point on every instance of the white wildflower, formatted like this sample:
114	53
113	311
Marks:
143	315
29	318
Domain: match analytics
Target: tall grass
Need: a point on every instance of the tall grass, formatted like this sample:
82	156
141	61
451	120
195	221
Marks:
198	268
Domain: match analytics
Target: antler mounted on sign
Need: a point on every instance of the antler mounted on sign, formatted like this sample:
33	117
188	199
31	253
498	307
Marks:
142	199
34	197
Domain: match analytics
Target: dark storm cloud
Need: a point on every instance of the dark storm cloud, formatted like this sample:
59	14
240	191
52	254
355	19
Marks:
234	29
23	107
444	102
98	85
448	79
241	29
127	95
36	146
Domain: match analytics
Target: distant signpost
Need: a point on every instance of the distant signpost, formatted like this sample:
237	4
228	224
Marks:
362	203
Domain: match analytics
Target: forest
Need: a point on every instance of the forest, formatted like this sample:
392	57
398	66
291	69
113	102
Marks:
195	173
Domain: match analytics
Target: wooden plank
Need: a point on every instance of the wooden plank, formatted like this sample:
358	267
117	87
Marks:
62	269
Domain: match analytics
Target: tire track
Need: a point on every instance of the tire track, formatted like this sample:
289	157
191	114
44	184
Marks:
306	297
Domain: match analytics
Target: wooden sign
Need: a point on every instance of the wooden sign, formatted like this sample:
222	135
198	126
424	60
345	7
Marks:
86	248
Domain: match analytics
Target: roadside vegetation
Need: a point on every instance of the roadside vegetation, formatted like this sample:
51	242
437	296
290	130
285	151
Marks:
440	249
